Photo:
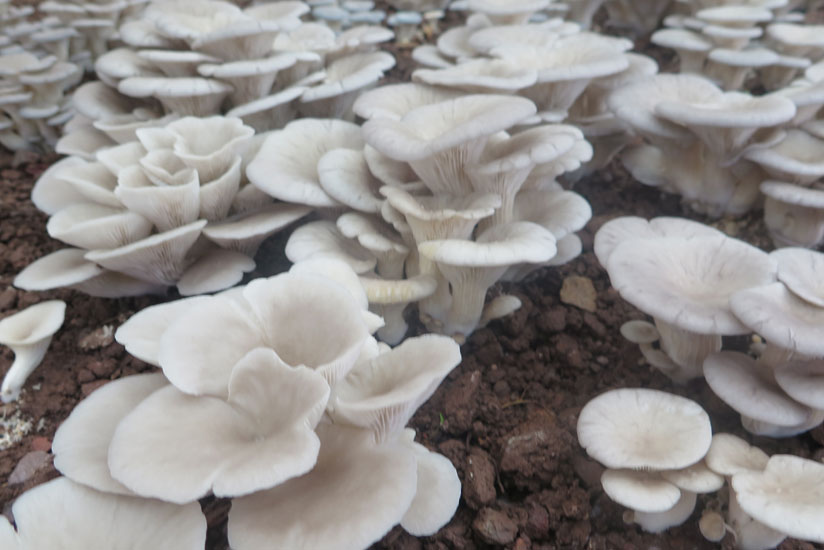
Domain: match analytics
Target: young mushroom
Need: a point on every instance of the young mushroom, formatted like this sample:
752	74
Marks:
28	333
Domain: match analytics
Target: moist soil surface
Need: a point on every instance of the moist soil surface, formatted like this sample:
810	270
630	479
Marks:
505	416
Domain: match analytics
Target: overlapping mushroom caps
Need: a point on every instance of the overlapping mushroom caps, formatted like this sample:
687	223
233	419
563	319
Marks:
652	443
682	274
162	210
284	424
207	57
62	514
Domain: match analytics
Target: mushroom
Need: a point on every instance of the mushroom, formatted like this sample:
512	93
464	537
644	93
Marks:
28	333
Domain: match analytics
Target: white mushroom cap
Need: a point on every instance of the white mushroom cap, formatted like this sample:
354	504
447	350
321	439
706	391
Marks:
50	192
480	76
158	259
261	436
246	232
317	510
46	515
344	175
729	454
781	318
697	478
737	380
785	496
800	269
215	270
639	332
286	166
688	282
166	206
94	226
28	333
383	393
323	239
81	444
797	158
437	495
657	522
644	429
803	381
638	490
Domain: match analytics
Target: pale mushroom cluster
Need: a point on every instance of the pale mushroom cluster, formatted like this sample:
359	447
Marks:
729	41
262	64
306	436
444	202
700	285
660	453
170	208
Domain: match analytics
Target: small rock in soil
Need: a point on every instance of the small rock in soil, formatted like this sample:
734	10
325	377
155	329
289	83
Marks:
479	487
460	402
579	292
494	527
98	338
40	443
28	466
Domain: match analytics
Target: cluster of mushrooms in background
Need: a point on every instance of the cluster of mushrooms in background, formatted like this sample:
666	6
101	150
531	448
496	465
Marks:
202	128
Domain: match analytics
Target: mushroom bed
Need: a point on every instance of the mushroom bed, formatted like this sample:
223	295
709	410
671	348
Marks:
505	416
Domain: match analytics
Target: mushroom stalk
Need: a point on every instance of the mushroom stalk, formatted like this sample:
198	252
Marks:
686	348
26	359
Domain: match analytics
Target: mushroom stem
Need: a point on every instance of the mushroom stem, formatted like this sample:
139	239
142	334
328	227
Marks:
686	348
26	359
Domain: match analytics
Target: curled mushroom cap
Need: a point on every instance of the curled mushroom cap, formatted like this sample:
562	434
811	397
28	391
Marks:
688	282
317	510
644	429
62	514
642	491
28	333
260	436
785	496
781	318
800	269
81	444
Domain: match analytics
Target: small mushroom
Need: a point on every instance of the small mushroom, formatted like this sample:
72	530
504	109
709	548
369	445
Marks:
28	333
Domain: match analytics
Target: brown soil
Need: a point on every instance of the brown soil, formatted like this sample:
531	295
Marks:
505	417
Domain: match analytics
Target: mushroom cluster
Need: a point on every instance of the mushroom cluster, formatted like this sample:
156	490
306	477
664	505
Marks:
265	414
700	285
169	208
261	64
445	202
659	453
729	42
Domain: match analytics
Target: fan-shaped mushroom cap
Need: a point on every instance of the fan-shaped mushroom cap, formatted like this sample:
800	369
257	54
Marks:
736	379
97	100
251	78
690	46
639	332
269	112
785	496
800	269
657	522
688	282
437	495
81	444
50	192
28	333
283	169
158	259
489	39
245	232
639	490
167	206
441	139
317	510
697	478
383	393
803	381
182	95
209	145
781	318
281	313
797	158
729	454
47	514
636	103
176	63
480	76
323	239
644	429
91	226
794	215
215	270
344	175
262	435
